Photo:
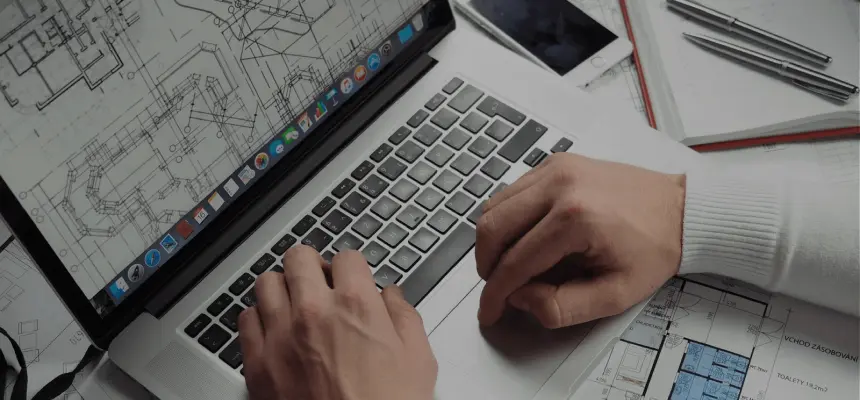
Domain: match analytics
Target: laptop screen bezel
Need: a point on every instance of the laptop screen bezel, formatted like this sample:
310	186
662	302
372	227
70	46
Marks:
439	21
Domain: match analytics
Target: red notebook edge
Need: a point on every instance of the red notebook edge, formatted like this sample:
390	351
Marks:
732	144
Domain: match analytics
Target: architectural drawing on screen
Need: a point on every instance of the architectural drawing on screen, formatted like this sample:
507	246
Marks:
119	115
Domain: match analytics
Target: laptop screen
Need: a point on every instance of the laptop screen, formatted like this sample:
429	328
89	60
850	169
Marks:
125	155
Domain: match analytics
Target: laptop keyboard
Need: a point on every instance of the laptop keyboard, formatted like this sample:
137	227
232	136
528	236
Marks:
411	207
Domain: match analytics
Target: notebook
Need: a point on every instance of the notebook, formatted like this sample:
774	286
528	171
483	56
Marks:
701	98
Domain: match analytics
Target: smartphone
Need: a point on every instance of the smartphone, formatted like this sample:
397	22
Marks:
554	34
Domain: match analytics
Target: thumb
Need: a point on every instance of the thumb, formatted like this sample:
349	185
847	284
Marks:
573	302
407	322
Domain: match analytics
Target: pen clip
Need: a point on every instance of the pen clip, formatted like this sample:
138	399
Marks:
823	91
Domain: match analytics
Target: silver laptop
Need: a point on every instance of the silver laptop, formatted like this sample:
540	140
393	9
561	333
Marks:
173	172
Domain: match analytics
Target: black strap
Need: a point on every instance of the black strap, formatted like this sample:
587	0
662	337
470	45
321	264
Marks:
55	387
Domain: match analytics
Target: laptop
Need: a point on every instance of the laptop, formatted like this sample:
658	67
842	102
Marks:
151	215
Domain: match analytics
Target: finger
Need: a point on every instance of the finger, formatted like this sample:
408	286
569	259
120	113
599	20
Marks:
407	322
303	271
509	221
529	257
350	273
574	302
273	301
251	337
524	182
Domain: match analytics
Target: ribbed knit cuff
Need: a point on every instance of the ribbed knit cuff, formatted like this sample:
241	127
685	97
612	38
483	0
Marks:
731	227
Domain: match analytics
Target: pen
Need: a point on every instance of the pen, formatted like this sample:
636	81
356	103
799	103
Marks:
806	78
732	24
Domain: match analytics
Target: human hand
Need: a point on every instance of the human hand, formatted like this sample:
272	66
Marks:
306	340
621	223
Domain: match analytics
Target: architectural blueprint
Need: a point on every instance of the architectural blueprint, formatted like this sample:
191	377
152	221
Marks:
116	116
705	338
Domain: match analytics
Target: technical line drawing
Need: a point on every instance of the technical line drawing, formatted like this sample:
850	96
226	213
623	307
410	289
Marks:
127	113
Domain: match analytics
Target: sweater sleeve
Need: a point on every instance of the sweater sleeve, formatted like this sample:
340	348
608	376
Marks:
798	238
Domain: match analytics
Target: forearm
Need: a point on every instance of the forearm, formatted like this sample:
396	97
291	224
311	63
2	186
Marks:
797	238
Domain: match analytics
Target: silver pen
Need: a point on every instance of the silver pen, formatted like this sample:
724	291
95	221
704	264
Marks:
732	24
806	78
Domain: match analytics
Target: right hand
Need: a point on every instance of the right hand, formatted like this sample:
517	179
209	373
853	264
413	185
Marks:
623	224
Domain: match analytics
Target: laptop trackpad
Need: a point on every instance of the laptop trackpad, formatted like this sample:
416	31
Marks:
510	360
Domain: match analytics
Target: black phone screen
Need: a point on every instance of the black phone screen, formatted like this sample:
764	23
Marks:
555	31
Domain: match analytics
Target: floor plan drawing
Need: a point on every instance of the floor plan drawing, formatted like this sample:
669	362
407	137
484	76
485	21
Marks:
118	115
703	338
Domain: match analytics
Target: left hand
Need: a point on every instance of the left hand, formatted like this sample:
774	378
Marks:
306	340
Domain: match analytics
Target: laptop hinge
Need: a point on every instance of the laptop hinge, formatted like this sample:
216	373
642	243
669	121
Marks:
244	226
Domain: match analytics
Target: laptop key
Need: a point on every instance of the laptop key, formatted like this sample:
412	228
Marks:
457	138
336	222
196	326
374	253
249	298
452	86
343	188
421	172
381	152
304	225
409	151
474	122
362	170
403	190
214	338
427	135
482	147
429	198
278	268
439	155
447	181
327	256
230	319
220	304
438	263
522	141
405	258
281	246
323	206
355	203
242	282
347	241
391	169
399	135
423	240
442	221
411	216
392	235
464	164
444	118
386	276
534	157
317	239
499	130
562	145
477	185
460	203
435	102
385	208
366	226
373	186
476	213
232	354
465	99
498	188
417	118
493	107
495	168
262	263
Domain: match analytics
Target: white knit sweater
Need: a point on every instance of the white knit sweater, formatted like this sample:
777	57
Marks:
801	239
